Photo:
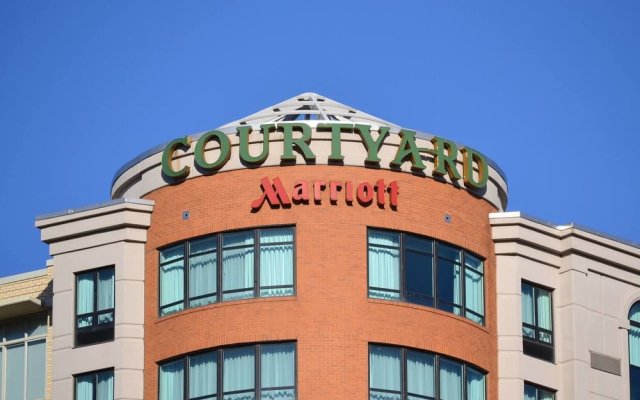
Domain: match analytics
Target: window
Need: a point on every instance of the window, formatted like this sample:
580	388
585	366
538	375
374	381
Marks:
424	271
95	309
634	351
23	358
533	392
403	374
537	322
95	386
228	266
264	371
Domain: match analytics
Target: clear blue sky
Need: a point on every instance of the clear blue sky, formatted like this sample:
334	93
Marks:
549	90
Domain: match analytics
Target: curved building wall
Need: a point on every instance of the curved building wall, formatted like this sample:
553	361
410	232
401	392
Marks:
331	317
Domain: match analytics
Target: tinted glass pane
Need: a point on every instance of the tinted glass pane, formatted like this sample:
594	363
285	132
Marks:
276	269
15	372
1	366
475	384
380	238
277	235
474	293
418	244
277	366
473	262
106	289
202	279
448	252
203	375
237	239
237	273
172	380
448	286
104	389
36	361
635	382
171	286
239	371
529	392
419	273
172	253
374	395
634	313
384	368
37	326
84	387
528	311
420	373
206	245
14	330
450	380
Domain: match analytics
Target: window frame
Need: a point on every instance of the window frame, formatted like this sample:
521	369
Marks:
404	384
434	253
94	333
219	356
24	341
219	289
632	324
94	374
538	388
535	347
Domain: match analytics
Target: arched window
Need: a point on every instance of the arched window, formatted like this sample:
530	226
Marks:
634	351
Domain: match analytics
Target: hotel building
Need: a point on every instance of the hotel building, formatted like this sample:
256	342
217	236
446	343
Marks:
313	251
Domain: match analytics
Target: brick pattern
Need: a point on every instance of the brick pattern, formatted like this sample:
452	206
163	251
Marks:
331	317
41	288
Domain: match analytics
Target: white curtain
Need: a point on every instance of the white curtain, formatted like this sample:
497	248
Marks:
420	374
203	375
543	301
104	391
239	373
202	271
634	346
527	310
172	286
529	392
450	380
106	286
84	387
278	371
276	261
384	369
474	293
237	265
384	264
475	385
84	299
172	381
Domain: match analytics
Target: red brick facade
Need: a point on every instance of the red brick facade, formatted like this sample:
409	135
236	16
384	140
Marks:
331	318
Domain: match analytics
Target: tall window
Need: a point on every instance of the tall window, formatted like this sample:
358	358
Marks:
95	306
424	271
23	358
634	351
533	392
228	266
95	386
403	374
265	371
537	322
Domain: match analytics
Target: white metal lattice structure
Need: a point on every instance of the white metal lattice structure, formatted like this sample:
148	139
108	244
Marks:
310	107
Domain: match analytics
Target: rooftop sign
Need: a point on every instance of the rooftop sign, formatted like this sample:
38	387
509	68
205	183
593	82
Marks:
297	137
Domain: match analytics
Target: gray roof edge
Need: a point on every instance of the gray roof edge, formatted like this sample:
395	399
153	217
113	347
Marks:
108	203
575	226
22	276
